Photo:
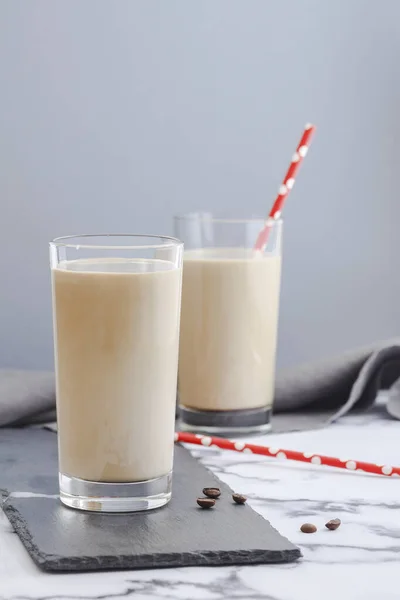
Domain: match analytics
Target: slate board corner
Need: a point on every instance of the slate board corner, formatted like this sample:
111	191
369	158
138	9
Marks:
21	528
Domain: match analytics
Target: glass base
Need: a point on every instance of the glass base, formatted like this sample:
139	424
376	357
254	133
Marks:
225	423
115	497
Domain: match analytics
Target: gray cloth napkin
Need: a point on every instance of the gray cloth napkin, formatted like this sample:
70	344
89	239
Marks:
306	397
319	393
26	397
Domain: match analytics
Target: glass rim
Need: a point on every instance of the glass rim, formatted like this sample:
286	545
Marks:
66	241
227	220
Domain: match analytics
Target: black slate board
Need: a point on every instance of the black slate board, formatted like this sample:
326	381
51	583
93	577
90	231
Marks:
180	534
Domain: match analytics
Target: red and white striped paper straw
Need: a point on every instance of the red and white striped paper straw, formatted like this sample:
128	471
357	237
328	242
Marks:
286	186
280	453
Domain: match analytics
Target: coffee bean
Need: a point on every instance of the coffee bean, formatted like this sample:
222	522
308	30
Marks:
238	498
212	492
333	524
206	502
308	528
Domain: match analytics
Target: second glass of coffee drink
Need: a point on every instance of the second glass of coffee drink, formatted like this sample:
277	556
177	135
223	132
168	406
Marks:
229	321
116	307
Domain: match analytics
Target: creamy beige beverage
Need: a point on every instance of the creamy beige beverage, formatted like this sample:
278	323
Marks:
116	329
229	324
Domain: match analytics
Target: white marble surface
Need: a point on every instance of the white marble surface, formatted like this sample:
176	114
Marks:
359	561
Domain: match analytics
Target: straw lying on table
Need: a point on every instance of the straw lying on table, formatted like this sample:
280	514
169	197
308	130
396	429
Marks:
287	184
307	457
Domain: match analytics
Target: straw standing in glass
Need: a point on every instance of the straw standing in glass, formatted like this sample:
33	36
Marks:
116	305
230	300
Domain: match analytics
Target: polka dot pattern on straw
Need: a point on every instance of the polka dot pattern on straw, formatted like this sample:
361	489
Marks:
287	184
282	454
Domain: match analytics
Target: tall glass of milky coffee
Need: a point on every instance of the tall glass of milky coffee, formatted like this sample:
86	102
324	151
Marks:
229	320
116	306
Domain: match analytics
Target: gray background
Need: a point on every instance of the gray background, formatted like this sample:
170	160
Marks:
115	114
